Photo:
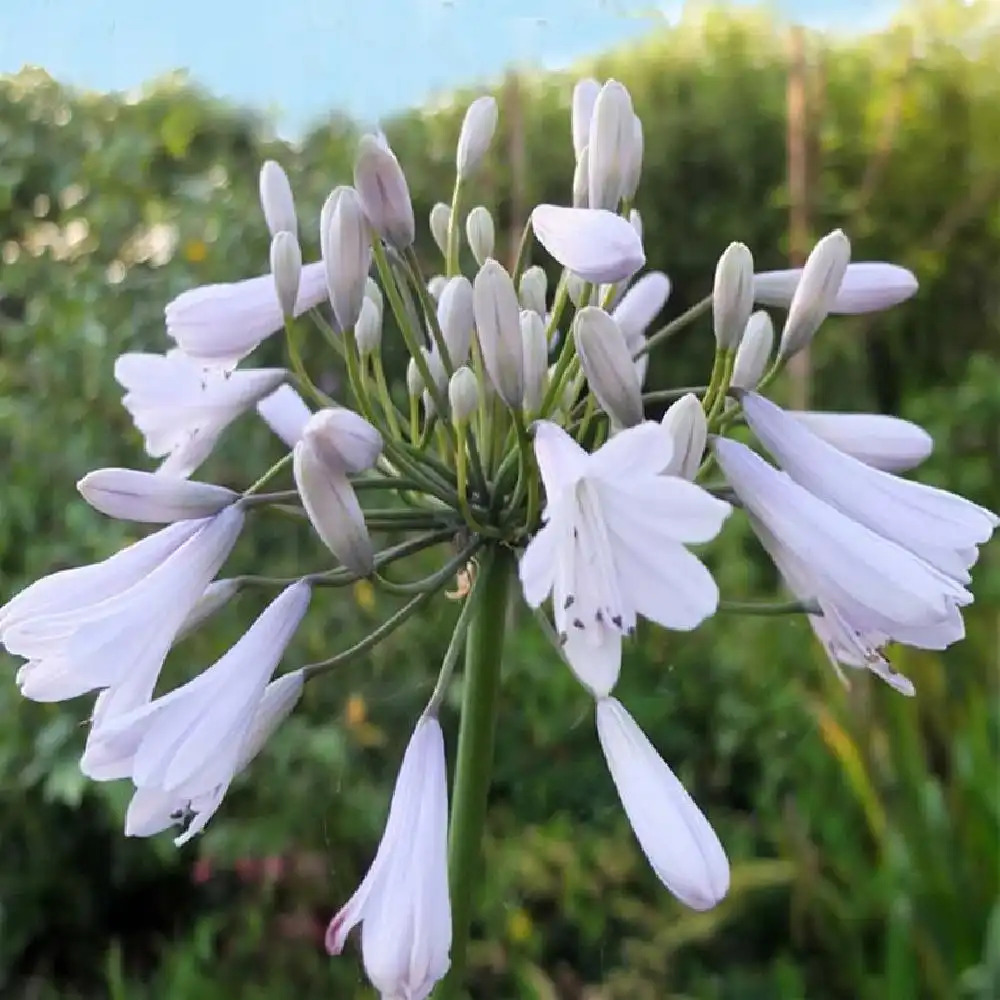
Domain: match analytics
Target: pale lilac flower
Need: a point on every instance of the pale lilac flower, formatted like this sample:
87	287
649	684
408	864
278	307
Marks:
185	747
347	254
870	589
403	903
116	634
678	841
480	231
687	425
636	310
607	363
584	95
440	223
884	442
941	528
498	326
286	270
276	199
732	295
474	140
286	413
182	409
133	495
612	545
754	352
595	244
610	145
457	318
867	286
219	325
385	195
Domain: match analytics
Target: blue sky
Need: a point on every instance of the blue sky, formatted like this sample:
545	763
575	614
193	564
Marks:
300	58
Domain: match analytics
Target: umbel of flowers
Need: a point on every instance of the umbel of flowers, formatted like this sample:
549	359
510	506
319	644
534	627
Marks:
519	445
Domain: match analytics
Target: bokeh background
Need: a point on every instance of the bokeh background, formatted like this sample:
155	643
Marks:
863	827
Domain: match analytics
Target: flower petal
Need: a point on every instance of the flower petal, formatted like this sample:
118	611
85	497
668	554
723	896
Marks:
868	286
595	244
883	442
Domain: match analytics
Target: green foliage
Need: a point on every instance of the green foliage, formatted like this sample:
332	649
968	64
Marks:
863	827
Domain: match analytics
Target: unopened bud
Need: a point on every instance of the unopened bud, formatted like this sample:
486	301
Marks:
373	292
346	254
575	289
610	145
480	233
368	329
134	495
816	292
607	363
568	392
477	133
436	286
343	439
440	221
463	394
732	295
276	200
498	324
439	378
216	596
581	180
754	351
384	193
630	179
536	359
414	380
456	318
533	289
286	269
584	95
688	428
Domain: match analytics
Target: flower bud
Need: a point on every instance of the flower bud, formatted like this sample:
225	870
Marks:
630	180
373	292
276	200
346	254
456	318
754	351
480	233
597	245
463	394
610	145
332	507
635	220
567	391
536	359
732	295
533	290
414	380
575	288
607	363
437	285
439	377
368	329
216	596
440	221
343	439
688	428
286	268
868	286
498	324
149	498
384	194
477	133
581	180
584	95
816	292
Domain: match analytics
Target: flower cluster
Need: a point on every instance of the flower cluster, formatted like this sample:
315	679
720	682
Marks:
518	442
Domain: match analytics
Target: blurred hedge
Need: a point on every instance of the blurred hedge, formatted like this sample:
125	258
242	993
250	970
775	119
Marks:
863	827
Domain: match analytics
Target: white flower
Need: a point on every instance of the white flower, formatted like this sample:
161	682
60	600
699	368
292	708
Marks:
276	199
596	244
182	409
686	423
533	289
870	589
867	286
732	295
217	595
186	746
607	363
888	443
498	325
403	904
456	318
440	222
536	359
678	841
636	309
286	413
131	495
219	325
941	528
612	545
335	444
286	269
581	179
115	634
610	145
481	233
384	193
754	351
347	255
584	95
463	394
474	140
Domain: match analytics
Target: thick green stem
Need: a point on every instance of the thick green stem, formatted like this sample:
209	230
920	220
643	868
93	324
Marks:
483	654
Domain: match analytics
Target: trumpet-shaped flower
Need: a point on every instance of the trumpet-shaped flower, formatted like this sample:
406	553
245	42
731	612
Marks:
403	904
941	528
182	409
678	841
219	325
186	746
117	636
613	545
